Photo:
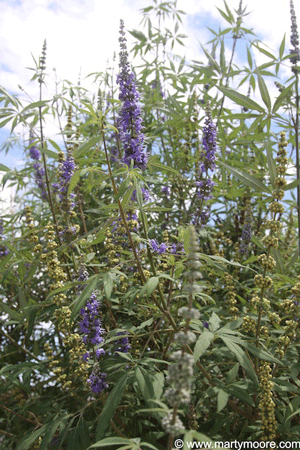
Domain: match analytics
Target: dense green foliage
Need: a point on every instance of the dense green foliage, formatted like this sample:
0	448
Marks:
127	239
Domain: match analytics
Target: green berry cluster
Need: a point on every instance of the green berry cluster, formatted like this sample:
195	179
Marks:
53	264
249	325
29	222
267	261
231	295
266	404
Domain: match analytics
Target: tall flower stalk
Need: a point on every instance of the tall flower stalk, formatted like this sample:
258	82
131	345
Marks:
130	120
66	170
180	372
295	58
206	167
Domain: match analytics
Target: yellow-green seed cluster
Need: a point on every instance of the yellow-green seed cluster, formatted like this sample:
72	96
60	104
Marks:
266	404
29	222
231	295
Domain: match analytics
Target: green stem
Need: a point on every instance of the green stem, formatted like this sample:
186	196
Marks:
139	266
297	157
47	177
23	349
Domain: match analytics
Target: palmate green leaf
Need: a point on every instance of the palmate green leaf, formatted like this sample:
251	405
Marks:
227	18
25	444
222	57
222	400
241	357
262	354
282	97
265	52
51	429
264	91
279	261
9	97
292	260
74	181
240	393
228	11
144	382
202	344
112	441
110	406
241	99
214	322
249	57
211	59
123	188
33	105
87	145
108	283
133	444
138	35
5	121
282	47
79	438
271	163
291	185
247	179
149	286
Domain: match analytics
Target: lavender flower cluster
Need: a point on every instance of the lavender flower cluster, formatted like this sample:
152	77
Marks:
163	248
130	121
92	334
39	171
145	193
90	325
97	381
66	170
295	52
208	156
122	345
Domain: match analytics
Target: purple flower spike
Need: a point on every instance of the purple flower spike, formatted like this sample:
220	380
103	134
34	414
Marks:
209	144
97	381
154	245
122	344
90	325
39	171
66	170
208	156
162	248
99	352
130	121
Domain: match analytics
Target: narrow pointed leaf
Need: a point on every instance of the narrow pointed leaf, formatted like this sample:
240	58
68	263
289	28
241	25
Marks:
110	406
241	357
246	178
264	91
241	99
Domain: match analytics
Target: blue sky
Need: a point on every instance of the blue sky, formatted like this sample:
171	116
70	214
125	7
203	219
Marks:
83	34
